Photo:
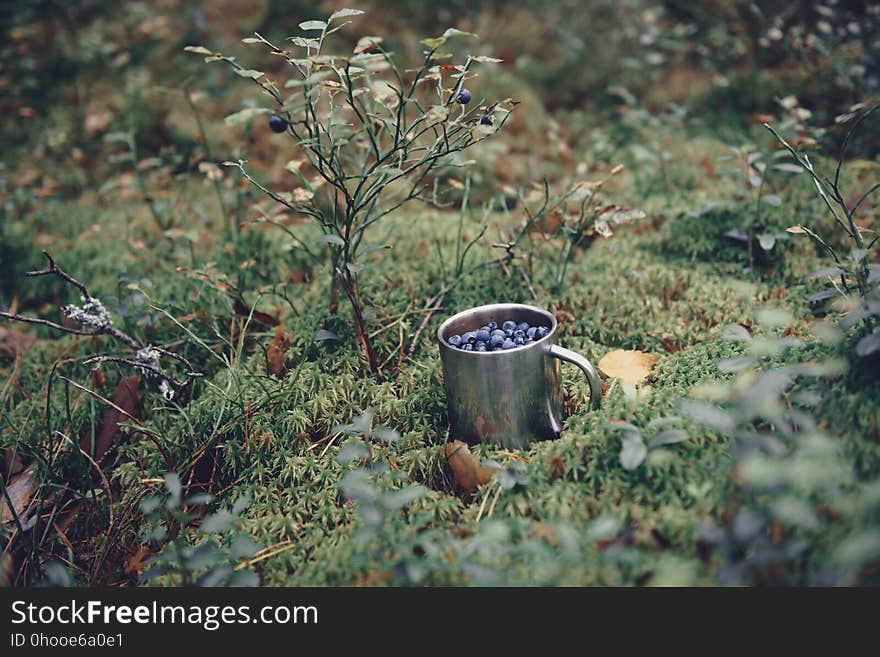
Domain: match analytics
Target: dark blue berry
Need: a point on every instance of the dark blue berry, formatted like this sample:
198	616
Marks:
519	340
464	97
481	346
542	331
492	326
487	120
277	124
470	336
508	344
467	346
454	340
497	339
529	340
523	326
509	326
483	335
532	332
519	333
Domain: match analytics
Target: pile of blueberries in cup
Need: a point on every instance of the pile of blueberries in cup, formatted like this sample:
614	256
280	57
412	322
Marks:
491	338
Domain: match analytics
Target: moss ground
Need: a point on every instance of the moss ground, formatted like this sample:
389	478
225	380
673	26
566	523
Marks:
665	285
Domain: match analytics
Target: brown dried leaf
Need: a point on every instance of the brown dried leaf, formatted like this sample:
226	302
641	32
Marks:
21	489
630	366
126	397
467	473
137	563
277	352
241	308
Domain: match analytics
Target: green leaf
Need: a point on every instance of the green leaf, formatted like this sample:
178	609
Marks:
199	498
767	241
389	436
173	486
632	451
324	334
330	239
352	451
216	523
199	50
455	32
788	166
344	13
355	268
312	25
707	414
245	115
433	44
304	43
397	499
249	73
669	437
240	504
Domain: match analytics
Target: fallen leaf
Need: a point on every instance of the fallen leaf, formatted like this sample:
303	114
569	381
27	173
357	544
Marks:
630	366
467	473
240	308
564	317
137	563
127	398
21	489
277	352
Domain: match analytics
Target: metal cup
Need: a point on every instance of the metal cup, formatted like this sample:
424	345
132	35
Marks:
510	397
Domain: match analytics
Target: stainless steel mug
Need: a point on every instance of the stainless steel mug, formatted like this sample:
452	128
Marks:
511	397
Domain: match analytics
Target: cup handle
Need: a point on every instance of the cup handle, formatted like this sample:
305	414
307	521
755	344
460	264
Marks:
570	356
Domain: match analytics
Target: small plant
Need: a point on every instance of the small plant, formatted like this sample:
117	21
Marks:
220	558
787	468
373	135
853	277
634	449
94	319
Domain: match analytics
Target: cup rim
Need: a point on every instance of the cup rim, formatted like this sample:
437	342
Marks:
499	307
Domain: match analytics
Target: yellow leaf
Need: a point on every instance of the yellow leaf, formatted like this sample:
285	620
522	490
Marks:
797	230
630	366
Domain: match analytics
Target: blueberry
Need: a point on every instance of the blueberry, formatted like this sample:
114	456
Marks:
467	346
277	124
523	326
519	340
508	344
470	336
481	346
542	332
497	339
487	120
519	333
529	341
464	97
509	326
454	340
492	326
483	335
532	332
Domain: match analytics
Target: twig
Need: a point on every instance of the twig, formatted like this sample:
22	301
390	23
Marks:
431	307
